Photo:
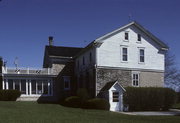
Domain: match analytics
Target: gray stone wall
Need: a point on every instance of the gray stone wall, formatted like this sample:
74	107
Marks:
56	68
151	79
124	77
108	75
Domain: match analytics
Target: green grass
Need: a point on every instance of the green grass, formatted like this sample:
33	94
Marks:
31	112
177	106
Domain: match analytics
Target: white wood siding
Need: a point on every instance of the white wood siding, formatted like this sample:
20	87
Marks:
109	53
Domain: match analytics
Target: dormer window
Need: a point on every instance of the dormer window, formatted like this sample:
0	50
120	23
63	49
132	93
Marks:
126	36
138	37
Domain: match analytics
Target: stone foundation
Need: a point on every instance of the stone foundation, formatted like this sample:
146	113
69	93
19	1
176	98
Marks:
151	79
124	77
108	75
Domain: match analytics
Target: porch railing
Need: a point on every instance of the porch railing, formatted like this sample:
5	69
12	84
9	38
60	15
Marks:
41	71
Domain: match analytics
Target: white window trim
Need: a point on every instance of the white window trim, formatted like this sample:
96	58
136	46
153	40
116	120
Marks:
121	53
137	38
141	48
125	40
69	82
118	96
138	78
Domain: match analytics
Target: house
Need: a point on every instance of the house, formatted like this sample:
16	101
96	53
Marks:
127	56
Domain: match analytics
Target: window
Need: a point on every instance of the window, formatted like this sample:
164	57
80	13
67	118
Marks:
126	36
138	37
33	86
83	60
141	55
124	54
66	82
90	56
135	79
78	64
45	84
115	96
17	85
23	86
28	87
10	84
39	87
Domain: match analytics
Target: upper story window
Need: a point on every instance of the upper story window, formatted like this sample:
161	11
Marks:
138	37
141	55
90	57
126	36
66	82
124	54
135	79
83	60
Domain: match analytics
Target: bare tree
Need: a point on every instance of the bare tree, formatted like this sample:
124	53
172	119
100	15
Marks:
172	73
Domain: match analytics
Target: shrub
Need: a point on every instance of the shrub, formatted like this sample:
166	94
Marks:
82	93
73	101
178	97
9	95
149	98
97	103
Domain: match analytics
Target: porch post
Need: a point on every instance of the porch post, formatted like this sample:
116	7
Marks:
3	84
49	88
27	89
7	85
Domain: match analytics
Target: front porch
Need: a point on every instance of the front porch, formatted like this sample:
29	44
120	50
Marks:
32	85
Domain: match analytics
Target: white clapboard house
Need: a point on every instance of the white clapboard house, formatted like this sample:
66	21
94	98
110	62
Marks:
127	56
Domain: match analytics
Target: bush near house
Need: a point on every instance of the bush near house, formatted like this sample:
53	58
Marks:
82	93
9	95
149	98
178	97
82	101
97	103
73	101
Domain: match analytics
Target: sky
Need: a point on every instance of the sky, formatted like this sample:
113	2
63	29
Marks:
26	24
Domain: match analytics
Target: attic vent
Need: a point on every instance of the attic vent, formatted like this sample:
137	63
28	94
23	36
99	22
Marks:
50	40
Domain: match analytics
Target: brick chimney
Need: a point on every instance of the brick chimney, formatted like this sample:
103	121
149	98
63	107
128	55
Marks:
50	40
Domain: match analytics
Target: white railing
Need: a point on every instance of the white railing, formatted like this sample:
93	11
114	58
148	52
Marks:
41	71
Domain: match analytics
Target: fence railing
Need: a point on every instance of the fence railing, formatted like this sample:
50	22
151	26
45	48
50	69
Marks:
41	71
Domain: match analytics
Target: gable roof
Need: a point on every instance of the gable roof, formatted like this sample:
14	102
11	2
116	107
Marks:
109	85
99	40
57	51
149	34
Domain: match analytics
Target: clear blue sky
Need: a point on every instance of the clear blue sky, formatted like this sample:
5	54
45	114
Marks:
26	24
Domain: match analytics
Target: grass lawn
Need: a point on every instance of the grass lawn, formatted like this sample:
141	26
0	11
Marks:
31	112
177	106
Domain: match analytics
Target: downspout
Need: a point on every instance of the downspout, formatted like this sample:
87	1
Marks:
95	66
